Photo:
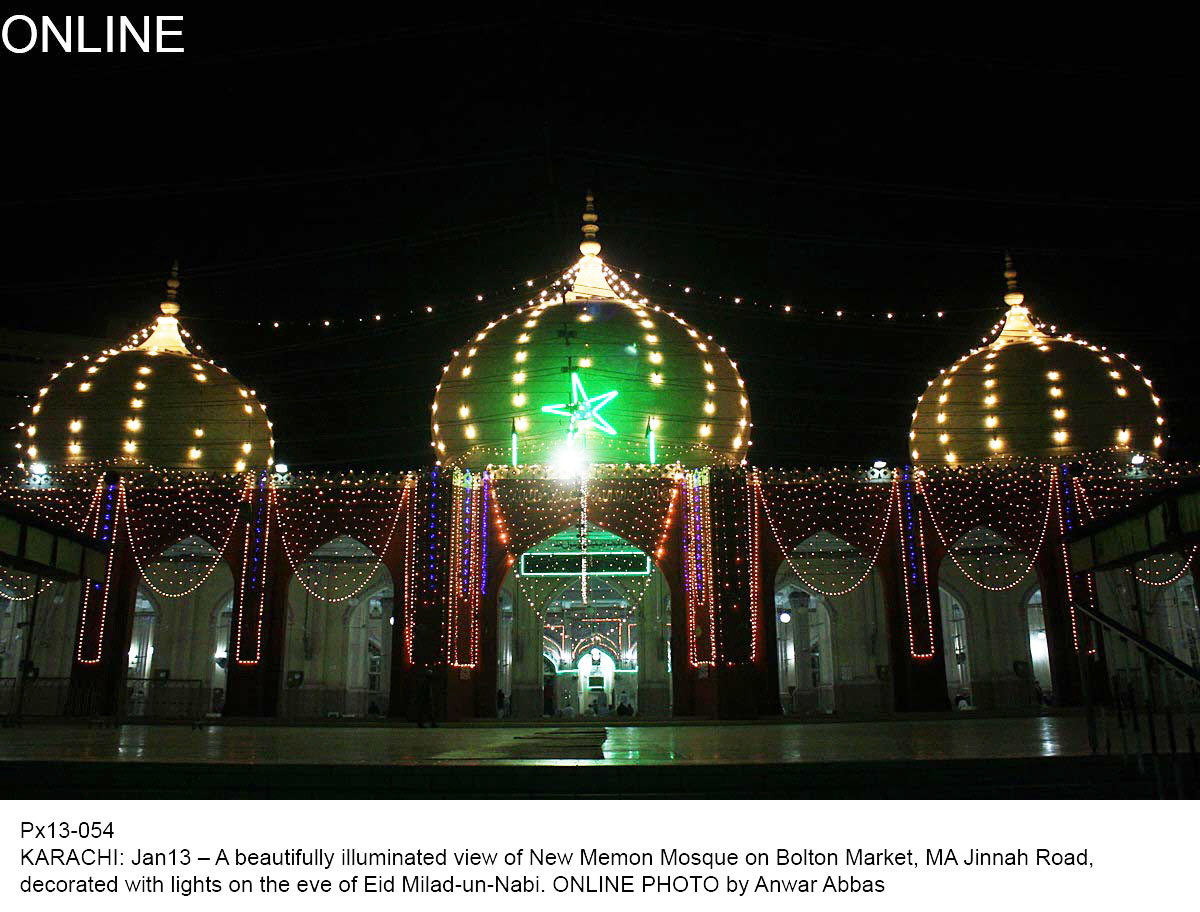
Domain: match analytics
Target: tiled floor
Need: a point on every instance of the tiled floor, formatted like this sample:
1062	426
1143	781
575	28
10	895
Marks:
709	744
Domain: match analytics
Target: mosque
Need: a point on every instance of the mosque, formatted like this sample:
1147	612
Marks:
592	536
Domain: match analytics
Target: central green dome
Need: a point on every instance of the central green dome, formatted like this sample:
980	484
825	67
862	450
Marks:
590	370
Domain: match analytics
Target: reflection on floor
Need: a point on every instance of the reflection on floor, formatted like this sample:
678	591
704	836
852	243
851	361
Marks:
928	758
686	743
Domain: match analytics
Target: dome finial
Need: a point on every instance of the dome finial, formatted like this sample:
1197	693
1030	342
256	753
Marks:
1012	296
589	246
170	305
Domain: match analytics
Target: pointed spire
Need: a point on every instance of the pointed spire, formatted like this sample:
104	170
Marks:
170	306
590	281
166	337
1018	324
589	246
1012	296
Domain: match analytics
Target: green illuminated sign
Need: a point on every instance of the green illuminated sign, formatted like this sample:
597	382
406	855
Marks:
599	563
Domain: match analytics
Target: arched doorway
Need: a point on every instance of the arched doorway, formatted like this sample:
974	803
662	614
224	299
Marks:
576	610
49	643
956	649
831	630
1039	652
984	586
179	639
804	636
337	645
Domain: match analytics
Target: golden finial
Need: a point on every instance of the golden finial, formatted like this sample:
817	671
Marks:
589	246
170	306
1012	297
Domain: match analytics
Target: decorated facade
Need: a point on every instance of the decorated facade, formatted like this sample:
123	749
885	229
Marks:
592	538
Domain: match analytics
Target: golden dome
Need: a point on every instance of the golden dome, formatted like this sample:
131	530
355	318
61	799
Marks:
151	402
1030	394
590	365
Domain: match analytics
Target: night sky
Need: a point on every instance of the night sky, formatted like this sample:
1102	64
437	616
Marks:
302	174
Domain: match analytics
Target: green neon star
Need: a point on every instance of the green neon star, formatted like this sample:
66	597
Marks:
583	409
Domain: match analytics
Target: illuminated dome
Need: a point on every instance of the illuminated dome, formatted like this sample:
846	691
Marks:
590	371
1031	394
151	402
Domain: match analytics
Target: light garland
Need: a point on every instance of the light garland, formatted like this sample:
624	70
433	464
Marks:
753	498
812	520
107	525
1065	556
1176	572
16	586
912	547
255	548
1000	488
468	531
699	589
194	509
324	519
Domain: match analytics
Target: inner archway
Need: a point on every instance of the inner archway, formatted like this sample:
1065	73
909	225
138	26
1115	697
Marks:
830	630
955	646
985	585
179	641
584	630
337	647
1039	652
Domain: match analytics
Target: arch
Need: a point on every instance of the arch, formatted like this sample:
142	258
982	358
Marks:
956	648
182	567
337	648
1039	654
336	570
552	612
984	585
1158	596
180	632
831	629
51	650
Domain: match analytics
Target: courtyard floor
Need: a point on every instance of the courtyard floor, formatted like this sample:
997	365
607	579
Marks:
950	757
833	742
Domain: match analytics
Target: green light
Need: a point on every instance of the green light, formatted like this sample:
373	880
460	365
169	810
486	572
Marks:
570	563
514	443
583	409
650	441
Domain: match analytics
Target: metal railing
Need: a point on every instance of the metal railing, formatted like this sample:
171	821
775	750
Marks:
1150	708
169	698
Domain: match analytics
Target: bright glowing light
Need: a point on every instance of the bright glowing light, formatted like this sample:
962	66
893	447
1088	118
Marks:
569	461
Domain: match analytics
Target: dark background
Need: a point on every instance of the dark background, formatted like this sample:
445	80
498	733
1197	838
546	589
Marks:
334	165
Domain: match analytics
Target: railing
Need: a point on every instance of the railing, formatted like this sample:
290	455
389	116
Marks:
34	697
1150	713
170	698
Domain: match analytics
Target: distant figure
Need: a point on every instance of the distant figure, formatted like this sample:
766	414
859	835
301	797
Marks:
624	709
499	704
425	700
